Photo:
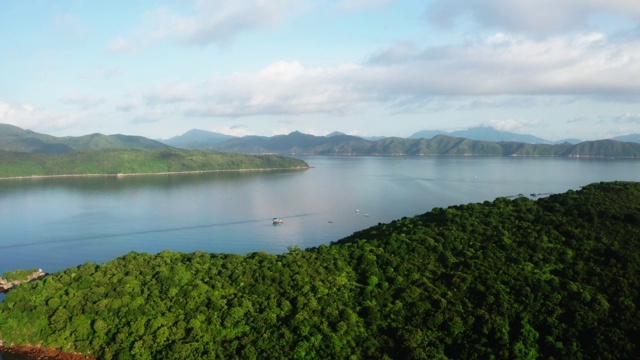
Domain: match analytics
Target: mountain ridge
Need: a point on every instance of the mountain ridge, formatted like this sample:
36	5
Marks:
195	139
13	138
297	143
484	133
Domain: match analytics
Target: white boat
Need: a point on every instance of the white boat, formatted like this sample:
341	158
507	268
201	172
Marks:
277	221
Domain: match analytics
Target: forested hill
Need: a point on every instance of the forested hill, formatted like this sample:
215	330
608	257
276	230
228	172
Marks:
558	277
440	145
120	162
13	138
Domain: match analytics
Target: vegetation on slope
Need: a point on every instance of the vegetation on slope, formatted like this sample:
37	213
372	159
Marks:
111	162
441	145
558	277
18	275
13	138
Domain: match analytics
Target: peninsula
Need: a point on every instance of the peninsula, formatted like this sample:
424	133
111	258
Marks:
124	162
9	280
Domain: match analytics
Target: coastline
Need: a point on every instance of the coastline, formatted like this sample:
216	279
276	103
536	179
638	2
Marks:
40	353
119	175
5	285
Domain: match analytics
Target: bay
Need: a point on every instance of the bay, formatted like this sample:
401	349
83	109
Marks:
54	224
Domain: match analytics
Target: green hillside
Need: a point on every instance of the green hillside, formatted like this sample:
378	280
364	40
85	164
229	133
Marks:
558	277
13	138
440	145
111	162
605	148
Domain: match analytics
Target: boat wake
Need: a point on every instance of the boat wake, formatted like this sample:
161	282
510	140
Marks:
143	232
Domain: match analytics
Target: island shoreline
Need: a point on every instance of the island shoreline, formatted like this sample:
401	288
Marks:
168	173
6	286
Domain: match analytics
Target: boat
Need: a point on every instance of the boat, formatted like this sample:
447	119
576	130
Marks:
277	221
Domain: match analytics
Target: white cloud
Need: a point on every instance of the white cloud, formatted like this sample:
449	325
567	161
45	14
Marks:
28	116
498	71
589	64
628	118
513	124
394	54
282	131
83	101
172	93
207	22
234	130
129	104
281	88
144	120
100	72
356	5
538	16
120	44
68	30
499	102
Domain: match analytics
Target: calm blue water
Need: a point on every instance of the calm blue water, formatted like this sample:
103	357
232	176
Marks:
58	223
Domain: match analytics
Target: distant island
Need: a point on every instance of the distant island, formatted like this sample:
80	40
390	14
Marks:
557	277
120	162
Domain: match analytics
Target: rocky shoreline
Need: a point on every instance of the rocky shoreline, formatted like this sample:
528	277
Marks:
8	285
40	353
30	351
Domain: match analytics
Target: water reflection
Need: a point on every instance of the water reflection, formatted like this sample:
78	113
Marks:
113	183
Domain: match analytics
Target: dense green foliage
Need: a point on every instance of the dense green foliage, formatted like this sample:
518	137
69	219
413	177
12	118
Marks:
135	162
13	138
439	145
18	275
558	277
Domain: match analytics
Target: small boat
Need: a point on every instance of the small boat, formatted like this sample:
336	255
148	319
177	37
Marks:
277	221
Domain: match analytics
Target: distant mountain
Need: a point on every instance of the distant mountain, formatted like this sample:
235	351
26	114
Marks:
605	149
13	138
297	143
484	133
335	133
427	134
196	139
631	138
370	138
293	143
570	141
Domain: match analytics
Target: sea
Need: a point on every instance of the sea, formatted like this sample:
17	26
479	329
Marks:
57	223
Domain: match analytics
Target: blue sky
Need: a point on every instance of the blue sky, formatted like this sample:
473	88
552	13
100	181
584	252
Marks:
555	69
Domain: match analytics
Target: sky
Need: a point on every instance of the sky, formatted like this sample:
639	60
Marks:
555	69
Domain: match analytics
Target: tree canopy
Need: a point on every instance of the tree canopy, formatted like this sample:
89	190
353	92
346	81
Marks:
119	161
558	277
